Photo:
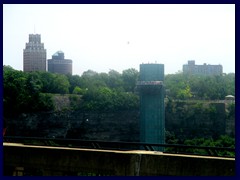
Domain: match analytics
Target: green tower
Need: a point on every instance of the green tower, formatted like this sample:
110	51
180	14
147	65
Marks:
152	112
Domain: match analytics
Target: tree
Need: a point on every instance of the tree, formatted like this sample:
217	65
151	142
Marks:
34	82
184	93
78	90
21	92
61	84
182	86
74	81
114	81
130	77
48	82
89	73
15	96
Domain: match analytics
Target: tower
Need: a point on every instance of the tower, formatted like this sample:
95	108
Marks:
152	113
34	54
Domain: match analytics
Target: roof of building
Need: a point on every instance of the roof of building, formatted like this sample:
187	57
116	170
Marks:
57	53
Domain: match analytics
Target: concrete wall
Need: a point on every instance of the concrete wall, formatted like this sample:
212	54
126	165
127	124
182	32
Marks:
51	161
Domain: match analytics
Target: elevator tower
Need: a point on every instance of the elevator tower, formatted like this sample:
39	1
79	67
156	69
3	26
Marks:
152	112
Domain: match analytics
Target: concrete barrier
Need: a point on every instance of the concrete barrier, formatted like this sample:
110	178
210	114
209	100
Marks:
57	161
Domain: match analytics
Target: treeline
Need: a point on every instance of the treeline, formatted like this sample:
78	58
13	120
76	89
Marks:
32	91
183	86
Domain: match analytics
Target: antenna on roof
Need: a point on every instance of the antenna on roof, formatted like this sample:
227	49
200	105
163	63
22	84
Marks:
34	29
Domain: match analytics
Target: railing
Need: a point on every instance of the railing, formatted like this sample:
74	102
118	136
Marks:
108	145
140	83
204	101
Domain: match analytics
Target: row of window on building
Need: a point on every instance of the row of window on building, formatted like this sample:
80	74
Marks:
205	69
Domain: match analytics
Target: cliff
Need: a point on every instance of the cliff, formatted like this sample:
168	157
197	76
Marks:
181	119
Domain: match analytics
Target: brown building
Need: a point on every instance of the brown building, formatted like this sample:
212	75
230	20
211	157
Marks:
59	65
34	55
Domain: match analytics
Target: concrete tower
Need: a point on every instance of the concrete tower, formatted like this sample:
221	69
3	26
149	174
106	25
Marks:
152	113
34	55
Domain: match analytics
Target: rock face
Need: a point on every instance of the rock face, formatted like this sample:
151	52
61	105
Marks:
108	126
187	122
118	126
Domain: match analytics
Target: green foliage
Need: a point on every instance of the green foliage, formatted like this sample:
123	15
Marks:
48	82
231	111
221	141
225	141
22	92
75	101
184	93
114	80
74	81
105	99
54	83
129	77
78	90
106	91
196	119
17	96
45	102
26	92
182	86
34	83
61	84
170	138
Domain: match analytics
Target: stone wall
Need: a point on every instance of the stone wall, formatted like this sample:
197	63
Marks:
114	126
107	126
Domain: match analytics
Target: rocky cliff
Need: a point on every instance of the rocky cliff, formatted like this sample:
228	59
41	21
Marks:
117	126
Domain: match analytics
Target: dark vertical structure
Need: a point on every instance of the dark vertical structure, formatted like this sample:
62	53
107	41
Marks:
34	55
152	113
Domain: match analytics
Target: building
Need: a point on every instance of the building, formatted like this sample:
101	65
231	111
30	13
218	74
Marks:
152	112
34	54
59	65
192	68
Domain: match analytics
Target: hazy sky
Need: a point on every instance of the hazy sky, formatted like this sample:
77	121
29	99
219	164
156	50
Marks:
104	37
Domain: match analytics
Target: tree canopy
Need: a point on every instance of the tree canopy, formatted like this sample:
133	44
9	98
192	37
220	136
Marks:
32	91
182	86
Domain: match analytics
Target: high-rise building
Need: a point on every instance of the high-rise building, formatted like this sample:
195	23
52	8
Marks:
205	69
59	65
34	54
152	113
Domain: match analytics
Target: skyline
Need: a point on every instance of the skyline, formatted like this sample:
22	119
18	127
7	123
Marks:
103	37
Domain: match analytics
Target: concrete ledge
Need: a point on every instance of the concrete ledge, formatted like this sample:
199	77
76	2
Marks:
49	161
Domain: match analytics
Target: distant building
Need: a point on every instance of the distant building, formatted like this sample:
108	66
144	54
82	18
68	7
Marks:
59	65
204	69
34	55
152	111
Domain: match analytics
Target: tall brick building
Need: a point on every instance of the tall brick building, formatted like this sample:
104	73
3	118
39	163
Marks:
34	54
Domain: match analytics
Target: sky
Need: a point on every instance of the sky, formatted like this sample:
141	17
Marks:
104	37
